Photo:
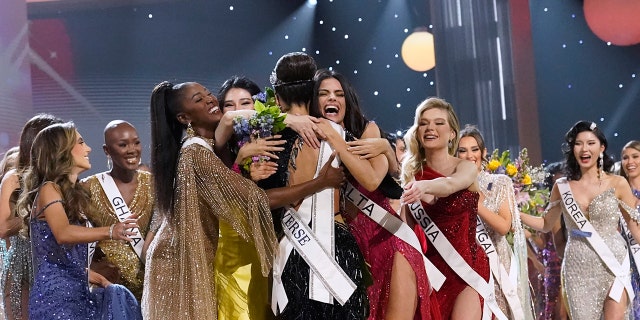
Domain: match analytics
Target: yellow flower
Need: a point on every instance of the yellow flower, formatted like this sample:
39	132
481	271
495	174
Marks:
526	180
493	165
511	170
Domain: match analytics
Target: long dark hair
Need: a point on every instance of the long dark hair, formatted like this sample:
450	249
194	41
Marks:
292	79
51	160
354	120
166	135
29	132
572	169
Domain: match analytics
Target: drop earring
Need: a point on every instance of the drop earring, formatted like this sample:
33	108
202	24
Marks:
190	132
600	165
109	163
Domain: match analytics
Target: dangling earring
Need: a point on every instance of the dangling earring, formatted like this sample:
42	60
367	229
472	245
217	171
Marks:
450	144
109	163
190	132
600	164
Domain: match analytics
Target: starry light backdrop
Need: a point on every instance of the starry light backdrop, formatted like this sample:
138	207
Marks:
100	60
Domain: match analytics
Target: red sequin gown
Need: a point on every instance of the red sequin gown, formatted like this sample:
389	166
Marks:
378	247
455	215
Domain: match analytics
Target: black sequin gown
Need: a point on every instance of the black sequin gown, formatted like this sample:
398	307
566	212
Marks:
295	276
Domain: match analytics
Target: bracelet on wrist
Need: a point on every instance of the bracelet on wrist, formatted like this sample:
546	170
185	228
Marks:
111	231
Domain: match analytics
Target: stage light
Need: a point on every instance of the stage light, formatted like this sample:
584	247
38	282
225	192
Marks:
312	2
418	50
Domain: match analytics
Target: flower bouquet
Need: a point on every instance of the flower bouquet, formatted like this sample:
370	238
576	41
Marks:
528	182
267	121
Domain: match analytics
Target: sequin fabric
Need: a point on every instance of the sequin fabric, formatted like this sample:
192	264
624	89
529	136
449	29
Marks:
61	285
121	253
455	215
549	294
378	247
586	278
295	276
180	274
18	276
497	189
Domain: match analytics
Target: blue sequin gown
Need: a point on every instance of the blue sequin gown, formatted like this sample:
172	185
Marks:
61	284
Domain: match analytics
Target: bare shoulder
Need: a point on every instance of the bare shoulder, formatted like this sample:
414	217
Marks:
371	131
48	192
11	180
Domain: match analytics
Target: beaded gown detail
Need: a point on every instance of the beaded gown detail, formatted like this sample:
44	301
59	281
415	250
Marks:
455	215
378	247
180	281
61	285
295	276
586	278
121	253
498	189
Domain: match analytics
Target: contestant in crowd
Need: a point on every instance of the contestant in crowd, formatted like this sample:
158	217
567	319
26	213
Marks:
241	288
17	274
54	203
446	187
498	210
596	266
630	165
194	191
400	288
292	80
121	191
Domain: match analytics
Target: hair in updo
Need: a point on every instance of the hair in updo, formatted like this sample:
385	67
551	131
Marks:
572	169
292	79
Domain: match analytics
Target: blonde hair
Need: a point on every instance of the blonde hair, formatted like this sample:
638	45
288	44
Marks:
415	156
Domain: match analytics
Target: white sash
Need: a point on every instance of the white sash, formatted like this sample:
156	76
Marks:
620	271
507	280
121	209
316	209
196	140
396	227
457	263
91	246
634	247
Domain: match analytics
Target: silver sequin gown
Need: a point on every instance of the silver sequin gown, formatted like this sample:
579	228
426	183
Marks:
586	278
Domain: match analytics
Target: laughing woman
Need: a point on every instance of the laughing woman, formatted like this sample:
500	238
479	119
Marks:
54	204
195	191
595	268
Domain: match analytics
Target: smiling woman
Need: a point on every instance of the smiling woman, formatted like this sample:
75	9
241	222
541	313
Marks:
118	261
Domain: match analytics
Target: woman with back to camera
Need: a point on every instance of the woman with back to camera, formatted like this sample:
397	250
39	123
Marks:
595	268
54	204
298	163
194	191
400	288
630	165
123	189
446	188
17	276
498	210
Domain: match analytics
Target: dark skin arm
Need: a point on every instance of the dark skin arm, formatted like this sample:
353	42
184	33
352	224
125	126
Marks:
328	177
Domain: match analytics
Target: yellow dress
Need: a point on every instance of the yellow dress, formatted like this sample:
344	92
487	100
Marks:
120	253
180	281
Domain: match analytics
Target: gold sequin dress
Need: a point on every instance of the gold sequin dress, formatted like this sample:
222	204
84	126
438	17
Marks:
180	268
586	278
120	253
